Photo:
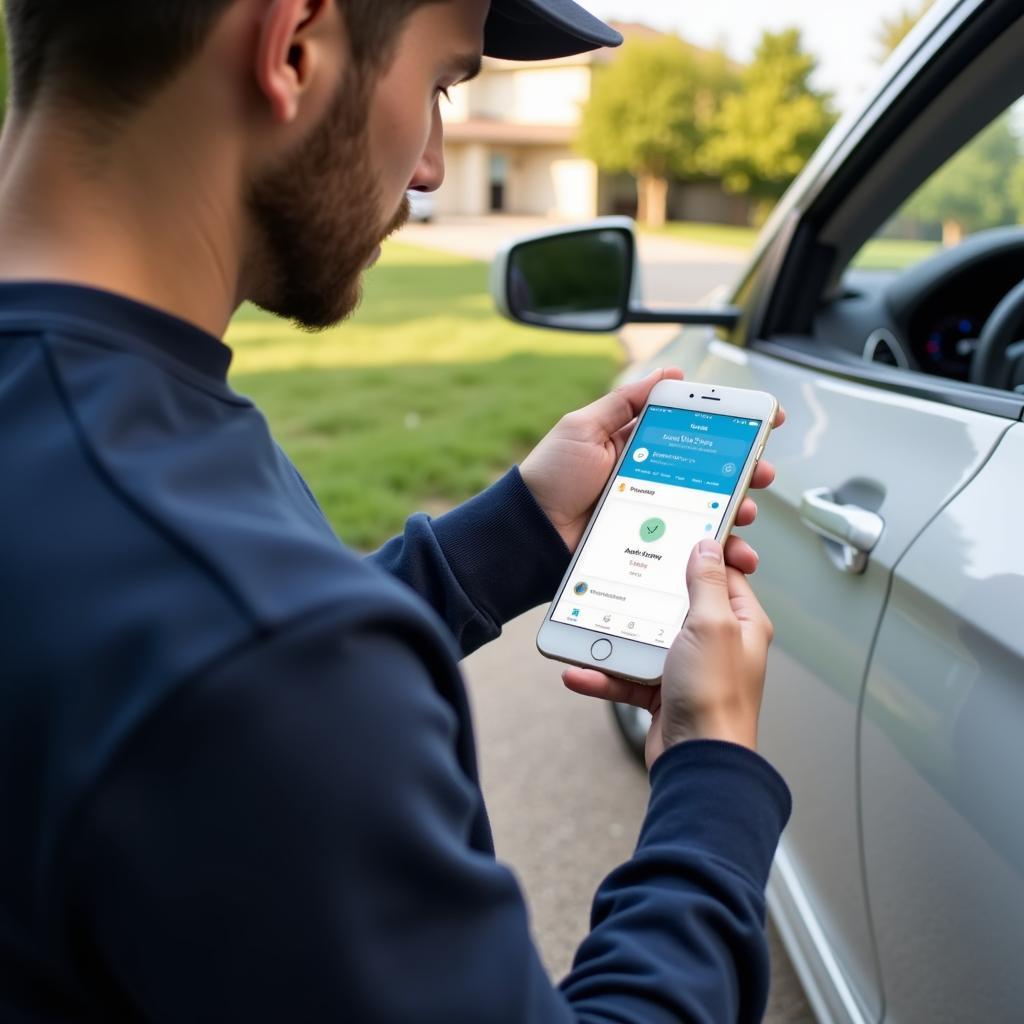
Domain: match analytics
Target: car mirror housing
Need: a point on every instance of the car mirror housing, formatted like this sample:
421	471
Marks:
582	278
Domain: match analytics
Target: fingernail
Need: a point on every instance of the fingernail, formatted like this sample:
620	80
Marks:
711	550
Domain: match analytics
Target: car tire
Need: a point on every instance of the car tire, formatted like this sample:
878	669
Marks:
633	725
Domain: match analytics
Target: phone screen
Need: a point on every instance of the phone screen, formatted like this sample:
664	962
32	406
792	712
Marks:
673	489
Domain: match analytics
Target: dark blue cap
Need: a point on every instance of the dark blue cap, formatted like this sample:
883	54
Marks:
542	29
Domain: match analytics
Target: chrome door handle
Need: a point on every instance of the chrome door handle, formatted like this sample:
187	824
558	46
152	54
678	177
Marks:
851	532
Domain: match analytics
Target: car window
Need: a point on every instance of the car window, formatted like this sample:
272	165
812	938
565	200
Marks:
980	188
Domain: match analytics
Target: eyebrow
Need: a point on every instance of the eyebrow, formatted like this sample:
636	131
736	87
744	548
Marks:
469	64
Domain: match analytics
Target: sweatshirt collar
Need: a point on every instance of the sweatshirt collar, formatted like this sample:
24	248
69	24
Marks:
136	324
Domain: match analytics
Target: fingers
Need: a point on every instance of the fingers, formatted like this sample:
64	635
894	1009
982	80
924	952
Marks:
747	513
740	555
780	418
589	683
746	606
708	584
764	475
624	404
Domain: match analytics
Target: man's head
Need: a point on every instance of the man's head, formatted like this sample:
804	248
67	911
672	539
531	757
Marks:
307	120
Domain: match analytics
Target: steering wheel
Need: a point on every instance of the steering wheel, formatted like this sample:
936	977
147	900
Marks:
993	361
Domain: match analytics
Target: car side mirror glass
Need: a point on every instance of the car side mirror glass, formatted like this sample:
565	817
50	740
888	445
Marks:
579	280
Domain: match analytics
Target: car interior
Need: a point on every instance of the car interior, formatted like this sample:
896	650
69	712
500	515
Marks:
948	326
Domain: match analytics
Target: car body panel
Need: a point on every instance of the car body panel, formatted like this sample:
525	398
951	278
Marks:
866	444
942	761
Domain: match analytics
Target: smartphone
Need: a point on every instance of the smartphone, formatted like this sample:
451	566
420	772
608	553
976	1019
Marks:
682	477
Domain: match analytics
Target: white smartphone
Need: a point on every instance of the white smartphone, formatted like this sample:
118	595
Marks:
682	477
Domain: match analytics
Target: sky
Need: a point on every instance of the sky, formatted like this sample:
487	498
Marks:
840	33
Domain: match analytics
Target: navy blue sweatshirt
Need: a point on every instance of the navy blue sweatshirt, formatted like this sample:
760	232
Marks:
237	768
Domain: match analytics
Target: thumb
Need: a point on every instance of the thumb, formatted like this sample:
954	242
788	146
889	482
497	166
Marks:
624	404
707	582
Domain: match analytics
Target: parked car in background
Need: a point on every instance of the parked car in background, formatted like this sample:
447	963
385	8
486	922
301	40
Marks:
895	694
423	207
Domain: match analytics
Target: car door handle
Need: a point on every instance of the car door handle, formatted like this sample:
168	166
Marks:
851	532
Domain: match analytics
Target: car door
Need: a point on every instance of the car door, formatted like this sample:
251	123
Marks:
859	448
942	761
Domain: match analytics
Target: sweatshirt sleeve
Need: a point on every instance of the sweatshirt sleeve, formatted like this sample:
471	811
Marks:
292	840
482	564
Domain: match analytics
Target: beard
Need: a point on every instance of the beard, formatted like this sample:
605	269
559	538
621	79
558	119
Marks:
317	219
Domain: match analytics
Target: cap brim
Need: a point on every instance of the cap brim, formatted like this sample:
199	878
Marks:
543	29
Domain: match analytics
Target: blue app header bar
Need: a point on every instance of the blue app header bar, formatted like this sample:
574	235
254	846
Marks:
701	450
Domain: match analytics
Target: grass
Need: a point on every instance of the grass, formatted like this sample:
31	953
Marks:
419	401
893	254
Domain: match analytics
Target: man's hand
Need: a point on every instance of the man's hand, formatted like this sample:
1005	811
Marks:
568	470
714	673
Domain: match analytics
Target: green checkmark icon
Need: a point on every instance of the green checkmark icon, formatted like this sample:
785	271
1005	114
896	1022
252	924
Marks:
652	530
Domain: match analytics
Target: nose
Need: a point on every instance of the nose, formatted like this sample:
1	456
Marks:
429	174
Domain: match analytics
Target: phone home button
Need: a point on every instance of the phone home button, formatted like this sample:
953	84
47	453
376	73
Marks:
602	650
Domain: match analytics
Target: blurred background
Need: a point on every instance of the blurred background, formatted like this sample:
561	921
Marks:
696	127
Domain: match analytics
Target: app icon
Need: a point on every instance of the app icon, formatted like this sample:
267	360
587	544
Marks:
652	530
729	469
622	488
713	504
580	589
641	455
575	613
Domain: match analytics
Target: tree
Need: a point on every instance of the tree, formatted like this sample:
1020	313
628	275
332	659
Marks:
766	132
895	29
649	115
974	190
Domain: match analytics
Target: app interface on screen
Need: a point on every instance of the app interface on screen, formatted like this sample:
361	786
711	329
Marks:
673	489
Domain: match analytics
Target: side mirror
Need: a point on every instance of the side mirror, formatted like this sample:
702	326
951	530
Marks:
584	279
570	279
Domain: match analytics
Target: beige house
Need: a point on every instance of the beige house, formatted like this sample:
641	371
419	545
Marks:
509	148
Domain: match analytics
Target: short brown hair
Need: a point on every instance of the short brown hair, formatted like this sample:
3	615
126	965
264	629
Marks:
111	55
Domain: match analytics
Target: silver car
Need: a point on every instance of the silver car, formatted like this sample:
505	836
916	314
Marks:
891	558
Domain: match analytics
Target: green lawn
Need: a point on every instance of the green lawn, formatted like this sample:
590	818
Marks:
419	401
893	254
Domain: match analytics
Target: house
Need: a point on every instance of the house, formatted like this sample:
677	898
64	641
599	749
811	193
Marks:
509	138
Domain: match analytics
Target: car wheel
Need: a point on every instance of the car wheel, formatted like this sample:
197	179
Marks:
633	725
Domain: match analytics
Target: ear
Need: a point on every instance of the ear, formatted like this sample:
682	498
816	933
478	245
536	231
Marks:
290	52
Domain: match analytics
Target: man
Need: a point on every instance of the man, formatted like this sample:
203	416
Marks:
237	774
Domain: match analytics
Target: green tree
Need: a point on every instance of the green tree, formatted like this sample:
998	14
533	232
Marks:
766	132
896	28
649	115
976	189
